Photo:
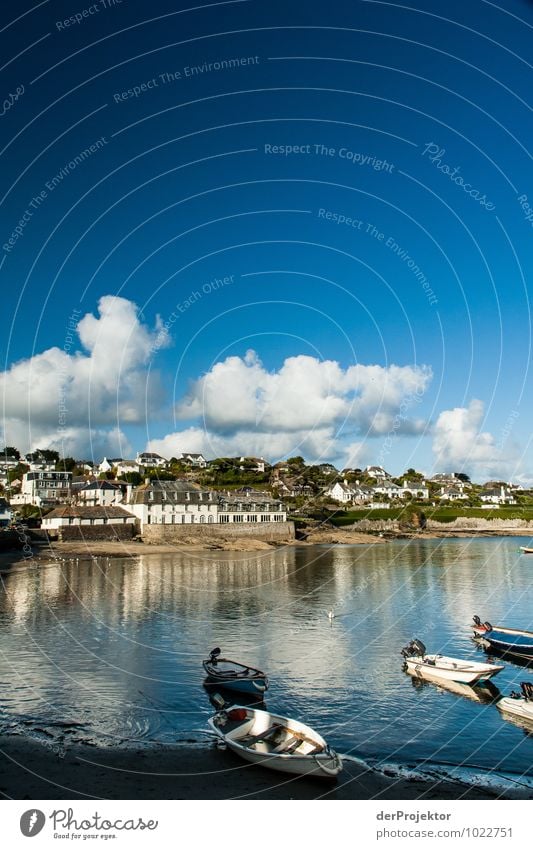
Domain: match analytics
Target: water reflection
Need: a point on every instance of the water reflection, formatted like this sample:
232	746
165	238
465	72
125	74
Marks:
117	645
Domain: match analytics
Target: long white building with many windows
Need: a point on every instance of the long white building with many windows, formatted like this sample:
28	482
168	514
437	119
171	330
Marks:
184	503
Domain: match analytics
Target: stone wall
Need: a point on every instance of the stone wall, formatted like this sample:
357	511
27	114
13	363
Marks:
268	531
95	533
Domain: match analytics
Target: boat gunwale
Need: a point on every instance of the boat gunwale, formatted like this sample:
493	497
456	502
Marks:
473	666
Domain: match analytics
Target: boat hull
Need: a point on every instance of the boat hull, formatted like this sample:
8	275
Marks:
507	641
251	687
519	708
448	669
325	764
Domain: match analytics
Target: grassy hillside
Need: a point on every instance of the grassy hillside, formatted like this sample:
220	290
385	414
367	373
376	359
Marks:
438	514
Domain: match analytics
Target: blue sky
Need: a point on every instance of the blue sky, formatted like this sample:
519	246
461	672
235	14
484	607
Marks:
256	206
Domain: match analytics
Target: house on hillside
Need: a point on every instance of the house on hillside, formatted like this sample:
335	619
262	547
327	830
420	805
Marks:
498	495
387	487
150	460
44	489
36	462
196	461
452	493
100	494
106	465
341	492
377	472
124	467
450	479
415	490
252	464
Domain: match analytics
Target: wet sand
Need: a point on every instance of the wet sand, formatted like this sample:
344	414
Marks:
30	770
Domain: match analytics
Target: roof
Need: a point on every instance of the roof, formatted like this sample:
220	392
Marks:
190	454
178	491
89	513
151	455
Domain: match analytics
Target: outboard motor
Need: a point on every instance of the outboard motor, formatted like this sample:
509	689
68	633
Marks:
415	648
477	621
213	656
527	690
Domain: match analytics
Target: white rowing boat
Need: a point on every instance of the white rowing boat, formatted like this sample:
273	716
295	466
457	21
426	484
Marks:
437	667
519	705
276	742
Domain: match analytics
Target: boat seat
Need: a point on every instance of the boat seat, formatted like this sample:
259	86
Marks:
250	739
287	746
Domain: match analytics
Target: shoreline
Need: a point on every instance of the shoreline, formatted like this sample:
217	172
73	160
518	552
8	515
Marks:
31	770
71	551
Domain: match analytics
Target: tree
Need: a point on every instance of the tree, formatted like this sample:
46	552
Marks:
17	472
67	464
462	477
134	478
48	455
296	461
10	453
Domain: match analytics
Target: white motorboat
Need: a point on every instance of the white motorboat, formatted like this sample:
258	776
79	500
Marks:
519	705
438	667
276	742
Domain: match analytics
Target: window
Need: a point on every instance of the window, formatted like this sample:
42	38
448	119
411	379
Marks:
252	517
237	518
202	520
265	518
222	518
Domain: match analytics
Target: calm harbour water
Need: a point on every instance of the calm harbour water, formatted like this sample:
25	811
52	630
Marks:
116	646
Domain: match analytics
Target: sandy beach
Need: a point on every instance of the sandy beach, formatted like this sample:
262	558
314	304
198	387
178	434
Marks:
30	770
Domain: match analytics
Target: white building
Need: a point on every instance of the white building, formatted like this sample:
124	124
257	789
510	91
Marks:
415	490
124	467
377	472
497	496
184	503
197	461
64	517
106	465
451	493
341	492
44	489
100	494
149	460
37	463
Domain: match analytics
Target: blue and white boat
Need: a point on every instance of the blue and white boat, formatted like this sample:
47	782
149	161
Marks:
505	641
234	676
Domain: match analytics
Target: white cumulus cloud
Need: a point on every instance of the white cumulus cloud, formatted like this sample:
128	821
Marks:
79	399
460	444
306	407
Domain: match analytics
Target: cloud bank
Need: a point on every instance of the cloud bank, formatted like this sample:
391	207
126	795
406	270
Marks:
307	407
77	402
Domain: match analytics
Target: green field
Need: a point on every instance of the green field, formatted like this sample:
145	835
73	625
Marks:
438	514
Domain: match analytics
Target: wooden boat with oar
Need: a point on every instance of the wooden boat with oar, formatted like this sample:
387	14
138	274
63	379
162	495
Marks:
519	705
525	550
232	675
275	742
505	641
438	667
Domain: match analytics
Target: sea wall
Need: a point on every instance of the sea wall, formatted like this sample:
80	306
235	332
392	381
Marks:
267	531
94	533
